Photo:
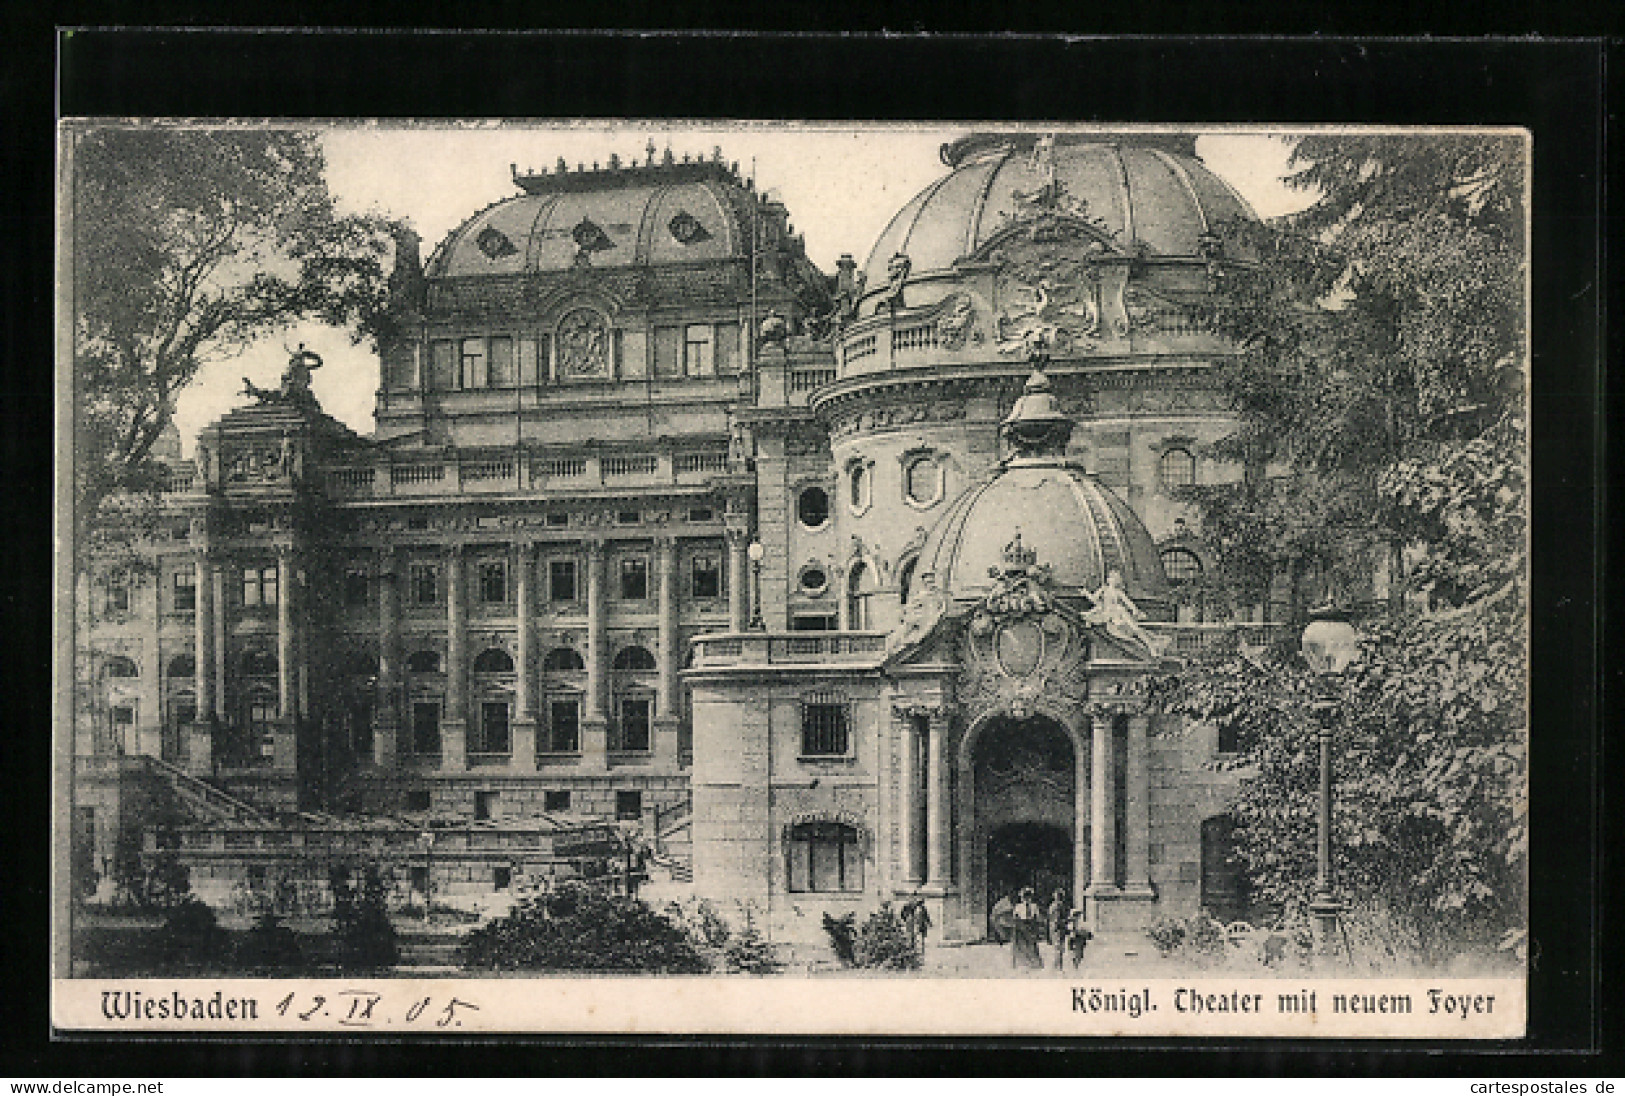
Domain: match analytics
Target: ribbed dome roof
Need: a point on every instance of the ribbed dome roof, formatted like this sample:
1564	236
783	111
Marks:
1148	191
1074	523
632	217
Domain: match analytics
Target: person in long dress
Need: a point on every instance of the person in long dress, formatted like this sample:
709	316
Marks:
1026	927
998	919
1058	919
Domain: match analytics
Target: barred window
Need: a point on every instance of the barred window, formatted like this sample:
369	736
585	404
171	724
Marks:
424	580
561	580
1181	565
494	582
824	730
825	857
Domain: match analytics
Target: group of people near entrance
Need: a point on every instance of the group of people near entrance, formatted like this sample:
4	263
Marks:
1019	920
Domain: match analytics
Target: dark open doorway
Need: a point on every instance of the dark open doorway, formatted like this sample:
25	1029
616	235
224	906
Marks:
1028	854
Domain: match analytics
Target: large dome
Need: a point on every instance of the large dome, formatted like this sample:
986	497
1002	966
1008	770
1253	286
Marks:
632	216
1077	526
1150	192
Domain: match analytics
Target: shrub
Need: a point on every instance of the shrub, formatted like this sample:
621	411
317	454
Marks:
366	938
270	945
885	942
702	922
574	928
1200	937
843	936
748	953
1167	933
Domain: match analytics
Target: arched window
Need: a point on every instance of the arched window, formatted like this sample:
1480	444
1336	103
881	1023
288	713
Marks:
905	579
259	664
858	486
183	666
812	507
1178	468
1181	565
825	857
493	660
858	585
119	666
922	480
634	658
423	662
562	660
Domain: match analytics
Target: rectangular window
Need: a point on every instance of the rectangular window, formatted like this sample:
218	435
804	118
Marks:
634	579
123	719
527	362
809	622
262	713
493	738
629	517
501	878
701	513
443	365
484	803
356	581
118	594
705	577
415	799
823	729
186	591
697	358
473	374
426	728
556	801
557	520
634	724
494	581
564	726
424	580
561	580
824	857
420	880
668	351
634	354
727	348
259	586
501	368
628	806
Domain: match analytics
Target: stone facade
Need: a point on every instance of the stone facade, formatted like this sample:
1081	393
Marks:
531	590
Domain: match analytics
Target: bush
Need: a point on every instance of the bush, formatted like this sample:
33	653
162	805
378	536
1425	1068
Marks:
574	928
702	922
748	953
885	942
1167	933
843	936
270	945
366	938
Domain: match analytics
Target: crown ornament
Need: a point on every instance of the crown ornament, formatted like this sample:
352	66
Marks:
1018	557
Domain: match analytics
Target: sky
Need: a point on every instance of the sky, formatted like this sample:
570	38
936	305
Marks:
841	184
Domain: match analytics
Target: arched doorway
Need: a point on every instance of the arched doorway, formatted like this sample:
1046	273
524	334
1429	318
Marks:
1026	828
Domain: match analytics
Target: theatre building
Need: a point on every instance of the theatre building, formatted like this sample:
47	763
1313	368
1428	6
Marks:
809	578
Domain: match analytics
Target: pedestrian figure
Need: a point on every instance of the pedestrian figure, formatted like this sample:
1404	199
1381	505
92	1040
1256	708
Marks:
1026	926
1058	921
918	921
1078	937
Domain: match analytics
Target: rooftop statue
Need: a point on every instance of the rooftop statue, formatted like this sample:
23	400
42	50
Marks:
295	387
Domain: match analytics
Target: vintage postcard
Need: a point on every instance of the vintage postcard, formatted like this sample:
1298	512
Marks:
646	577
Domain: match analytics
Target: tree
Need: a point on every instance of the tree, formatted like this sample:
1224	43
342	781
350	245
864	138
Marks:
188	244
1380	396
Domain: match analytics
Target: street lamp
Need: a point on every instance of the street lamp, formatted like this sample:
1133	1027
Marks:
756	552
1330	646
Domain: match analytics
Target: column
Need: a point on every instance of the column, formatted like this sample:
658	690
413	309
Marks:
217	584
386	723
738	579
594	724
454	728
200	736
908	797
668	706
938	873
1103	820
1137	808
524	694
287	702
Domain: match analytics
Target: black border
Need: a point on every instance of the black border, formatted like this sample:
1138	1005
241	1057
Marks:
1554	88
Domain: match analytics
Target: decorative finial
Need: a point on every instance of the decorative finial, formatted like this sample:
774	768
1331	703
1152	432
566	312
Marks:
650	150
561	166
1036	425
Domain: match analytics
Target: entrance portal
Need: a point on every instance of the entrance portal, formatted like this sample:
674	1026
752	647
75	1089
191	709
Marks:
1023	796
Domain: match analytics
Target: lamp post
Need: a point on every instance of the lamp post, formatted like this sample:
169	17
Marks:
756	552
1330	646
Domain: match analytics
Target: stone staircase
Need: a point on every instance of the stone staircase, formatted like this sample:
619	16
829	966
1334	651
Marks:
201	800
